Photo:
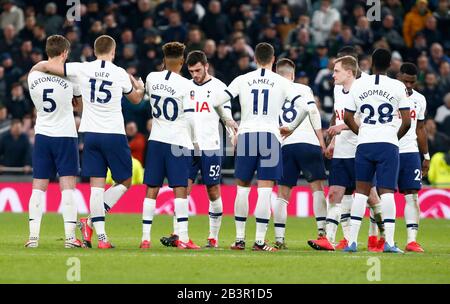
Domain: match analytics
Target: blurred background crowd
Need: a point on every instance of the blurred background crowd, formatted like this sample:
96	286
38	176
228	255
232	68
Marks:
310	32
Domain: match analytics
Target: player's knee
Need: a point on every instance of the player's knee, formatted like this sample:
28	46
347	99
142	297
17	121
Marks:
126	183
213	192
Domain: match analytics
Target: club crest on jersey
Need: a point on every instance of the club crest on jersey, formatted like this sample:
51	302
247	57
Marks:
192	95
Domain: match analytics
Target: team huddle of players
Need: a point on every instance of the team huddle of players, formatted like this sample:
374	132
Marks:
374	141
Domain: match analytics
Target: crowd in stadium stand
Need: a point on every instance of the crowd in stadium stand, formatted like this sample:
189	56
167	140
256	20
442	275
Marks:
308	32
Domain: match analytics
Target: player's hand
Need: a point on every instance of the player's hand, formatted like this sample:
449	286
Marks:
232	125
285	132
137	84
27	169
425	167
334	130
329	151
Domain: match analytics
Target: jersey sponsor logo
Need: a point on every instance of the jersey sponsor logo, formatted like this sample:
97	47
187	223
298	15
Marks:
202	107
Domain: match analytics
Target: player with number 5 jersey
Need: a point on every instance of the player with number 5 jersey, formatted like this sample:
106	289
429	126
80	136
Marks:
102	86
377	99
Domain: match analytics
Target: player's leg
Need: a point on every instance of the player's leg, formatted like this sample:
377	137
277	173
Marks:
177	164
43	169
67	165
153	177
69	211
280	215
346	208
269	169
35	211
364	171
335	195
387	177
95	167
148	210
215	214
245	166
211	164
291	172
409	183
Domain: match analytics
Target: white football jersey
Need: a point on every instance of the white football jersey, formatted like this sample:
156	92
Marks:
206	118
102	85
52	97
378	99
408	143
305	132
169	97
262	94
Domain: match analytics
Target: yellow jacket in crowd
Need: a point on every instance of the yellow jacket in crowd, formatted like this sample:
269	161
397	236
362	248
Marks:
439	173
138	174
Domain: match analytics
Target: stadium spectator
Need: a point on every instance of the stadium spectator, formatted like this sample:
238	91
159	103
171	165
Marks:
432	93
51	20
437	56
176	31
39	37
215	24
12	72
323	20
444	75
394	8
194	39
18	105
11	42
136	140
442	15
3	86
11	15
15	149
390	33
27	32
190	12
437	141
431	31
443	112
415	21
439	173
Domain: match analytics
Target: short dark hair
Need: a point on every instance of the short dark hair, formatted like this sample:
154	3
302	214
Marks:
104	44
409	68
264	53
285	62
173	50
381	59
195	57
347	51
56	45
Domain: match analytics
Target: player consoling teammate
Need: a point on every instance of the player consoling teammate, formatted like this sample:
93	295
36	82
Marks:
374	143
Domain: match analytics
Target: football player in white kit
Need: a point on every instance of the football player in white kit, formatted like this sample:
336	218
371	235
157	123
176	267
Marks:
56	143
102	85
377	99
411	167
302	152
170	143
342	151
262	94
207	156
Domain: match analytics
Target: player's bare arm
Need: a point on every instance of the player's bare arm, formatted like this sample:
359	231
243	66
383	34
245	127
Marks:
55	68
422	142
349	119
406	123
137	94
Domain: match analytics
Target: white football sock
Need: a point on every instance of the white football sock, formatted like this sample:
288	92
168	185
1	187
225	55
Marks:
389	212
262	214
373	228
357	214
113	194
98	212
280	218
346	209
333	217
182	213
175	223
35	209
241	211
320	211
412	216
215	218
69	211
147	218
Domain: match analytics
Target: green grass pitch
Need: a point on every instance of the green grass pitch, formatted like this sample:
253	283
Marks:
128	264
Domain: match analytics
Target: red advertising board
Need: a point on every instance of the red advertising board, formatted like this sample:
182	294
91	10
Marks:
434	203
